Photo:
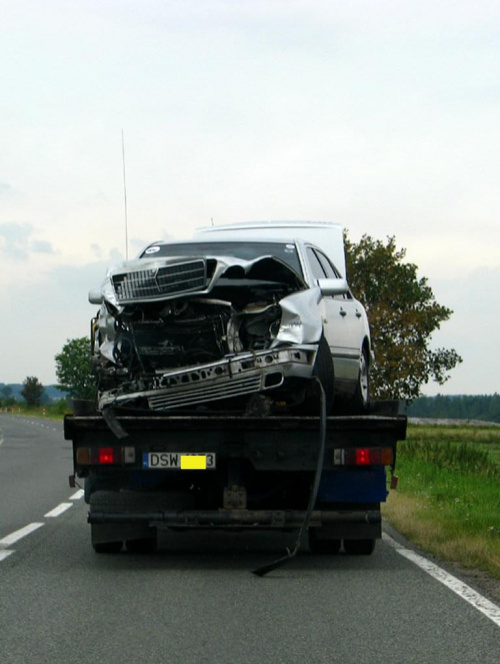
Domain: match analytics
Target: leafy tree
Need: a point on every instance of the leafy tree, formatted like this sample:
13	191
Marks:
403	314
6	391
32	391
7	400
74	369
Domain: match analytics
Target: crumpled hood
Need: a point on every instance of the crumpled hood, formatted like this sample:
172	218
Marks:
153	279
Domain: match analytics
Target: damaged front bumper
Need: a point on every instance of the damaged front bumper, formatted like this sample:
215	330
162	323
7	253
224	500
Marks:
238	375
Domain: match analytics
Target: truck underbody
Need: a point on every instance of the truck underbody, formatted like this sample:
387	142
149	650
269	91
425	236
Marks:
147	473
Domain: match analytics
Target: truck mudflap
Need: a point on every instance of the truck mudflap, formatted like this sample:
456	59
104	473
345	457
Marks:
275	519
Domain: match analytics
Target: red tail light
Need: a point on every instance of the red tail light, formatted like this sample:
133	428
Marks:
106	455
364	456
93	456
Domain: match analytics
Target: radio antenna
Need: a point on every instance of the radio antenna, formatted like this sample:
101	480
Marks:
125	196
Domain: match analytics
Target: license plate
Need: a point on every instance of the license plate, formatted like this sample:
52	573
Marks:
178	460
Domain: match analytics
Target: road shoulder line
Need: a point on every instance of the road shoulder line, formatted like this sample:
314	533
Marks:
488	608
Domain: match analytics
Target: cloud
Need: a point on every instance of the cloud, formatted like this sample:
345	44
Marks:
6	190
42	247
115	256
37	321
16	242
96	250
471	331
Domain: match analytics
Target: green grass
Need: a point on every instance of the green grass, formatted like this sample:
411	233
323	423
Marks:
54	411
448	499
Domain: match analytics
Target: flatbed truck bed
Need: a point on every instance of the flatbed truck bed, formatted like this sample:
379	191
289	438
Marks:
143	473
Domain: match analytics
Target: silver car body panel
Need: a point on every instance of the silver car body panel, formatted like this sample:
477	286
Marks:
291	350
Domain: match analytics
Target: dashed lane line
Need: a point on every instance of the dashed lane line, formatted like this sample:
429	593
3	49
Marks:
57	511
14	537
17	535
489	609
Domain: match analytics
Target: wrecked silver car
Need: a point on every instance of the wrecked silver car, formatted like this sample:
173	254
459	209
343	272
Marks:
222	325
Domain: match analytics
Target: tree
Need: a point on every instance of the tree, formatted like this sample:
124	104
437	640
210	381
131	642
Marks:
6	391
403	314
74	369
32	391
7	399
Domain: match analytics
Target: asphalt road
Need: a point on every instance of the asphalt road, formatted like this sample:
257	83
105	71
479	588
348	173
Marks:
196	601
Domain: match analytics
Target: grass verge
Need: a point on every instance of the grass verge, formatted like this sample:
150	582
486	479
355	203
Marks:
448	499
55	411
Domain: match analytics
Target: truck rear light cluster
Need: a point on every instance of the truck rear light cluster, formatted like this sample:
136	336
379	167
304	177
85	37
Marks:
363	456
104	456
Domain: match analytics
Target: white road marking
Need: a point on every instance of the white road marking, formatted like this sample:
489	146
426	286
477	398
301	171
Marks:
5	554
14	537
490	610
58	510
19	534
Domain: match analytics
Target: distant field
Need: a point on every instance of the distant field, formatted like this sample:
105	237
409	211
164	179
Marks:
54	411
448	499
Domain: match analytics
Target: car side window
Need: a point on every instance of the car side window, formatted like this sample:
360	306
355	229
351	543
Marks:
315	264
331	272
328	267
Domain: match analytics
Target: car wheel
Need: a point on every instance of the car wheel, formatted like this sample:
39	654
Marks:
323	370
361	397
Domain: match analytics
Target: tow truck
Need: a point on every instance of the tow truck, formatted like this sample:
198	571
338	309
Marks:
326	475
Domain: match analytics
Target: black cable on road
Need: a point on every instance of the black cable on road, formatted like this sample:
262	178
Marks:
265	569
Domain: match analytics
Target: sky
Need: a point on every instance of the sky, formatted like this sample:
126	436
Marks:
382	115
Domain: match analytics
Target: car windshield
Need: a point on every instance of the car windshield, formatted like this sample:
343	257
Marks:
286	251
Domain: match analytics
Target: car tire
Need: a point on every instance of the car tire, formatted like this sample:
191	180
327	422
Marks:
361	398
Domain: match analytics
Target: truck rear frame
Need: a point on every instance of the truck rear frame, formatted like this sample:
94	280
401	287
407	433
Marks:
258	472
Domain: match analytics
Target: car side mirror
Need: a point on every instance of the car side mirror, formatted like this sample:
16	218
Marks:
95	297
333	286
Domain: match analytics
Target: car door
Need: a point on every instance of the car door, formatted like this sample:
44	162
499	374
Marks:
342	320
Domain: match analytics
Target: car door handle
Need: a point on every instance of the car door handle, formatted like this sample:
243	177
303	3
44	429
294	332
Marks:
343	313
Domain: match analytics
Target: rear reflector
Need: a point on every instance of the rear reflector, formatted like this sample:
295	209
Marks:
94	456
363	456
83	456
